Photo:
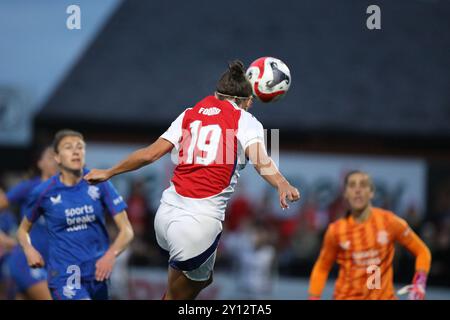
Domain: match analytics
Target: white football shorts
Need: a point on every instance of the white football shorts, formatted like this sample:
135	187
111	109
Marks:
191	240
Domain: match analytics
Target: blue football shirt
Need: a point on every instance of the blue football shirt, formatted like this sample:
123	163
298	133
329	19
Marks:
8	226
8	223
75	217
18	196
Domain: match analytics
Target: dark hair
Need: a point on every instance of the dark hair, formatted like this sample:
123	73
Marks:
348	175
233	82
36	154
61	134
39	151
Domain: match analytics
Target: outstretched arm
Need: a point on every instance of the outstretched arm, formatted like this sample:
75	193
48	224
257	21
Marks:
420	250
106	263
322	267
134	161
267	169
34	258
409	239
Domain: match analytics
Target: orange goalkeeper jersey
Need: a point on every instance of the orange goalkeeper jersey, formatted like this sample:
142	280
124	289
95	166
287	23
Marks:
364	252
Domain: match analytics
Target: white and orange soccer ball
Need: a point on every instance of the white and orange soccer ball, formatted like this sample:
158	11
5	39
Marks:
270	78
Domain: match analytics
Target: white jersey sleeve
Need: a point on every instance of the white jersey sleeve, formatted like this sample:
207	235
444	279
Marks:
175	131
250	130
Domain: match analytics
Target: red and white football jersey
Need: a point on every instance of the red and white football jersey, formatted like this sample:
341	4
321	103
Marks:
210	140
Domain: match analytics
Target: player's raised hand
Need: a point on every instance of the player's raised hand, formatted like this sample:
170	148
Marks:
34	258
287	193
104	266
96	176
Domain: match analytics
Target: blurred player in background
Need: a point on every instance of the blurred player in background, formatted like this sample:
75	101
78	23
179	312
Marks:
252	251
30	283
362	243
212	140
80	258
8	228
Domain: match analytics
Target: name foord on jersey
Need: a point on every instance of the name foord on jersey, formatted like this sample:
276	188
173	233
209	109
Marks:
209	111
78	218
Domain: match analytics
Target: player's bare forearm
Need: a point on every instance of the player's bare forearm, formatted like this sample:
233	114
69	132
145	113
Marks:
134	161
267	169
34	258
143	157
105	265
271	174
265	166
125	235
23	234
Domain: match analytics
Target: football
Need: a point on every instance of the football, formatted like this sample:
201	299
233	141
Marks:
270	78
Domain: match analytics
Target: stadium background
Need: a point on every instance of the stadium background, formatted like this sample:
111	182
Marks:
374	100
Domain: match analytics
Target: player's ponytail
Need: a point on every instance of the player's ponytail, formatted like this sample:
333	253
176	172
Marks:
237	70
233	82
